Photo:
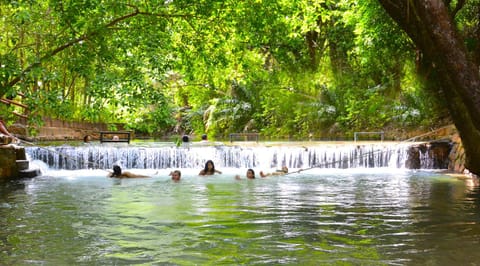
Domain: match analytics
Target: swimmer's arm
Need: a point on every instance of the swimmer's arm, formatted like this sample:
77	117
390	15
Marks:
132	175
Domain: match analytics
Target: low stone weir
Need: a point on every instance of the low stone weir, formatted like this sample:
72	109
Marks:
13	163
403	155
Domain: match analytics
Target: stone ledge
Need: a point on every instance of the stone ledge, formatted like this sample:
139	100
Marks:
8	161
30	173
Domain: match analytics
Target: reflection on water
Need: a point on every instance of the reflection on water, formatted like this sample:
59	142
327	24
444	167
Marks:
321	216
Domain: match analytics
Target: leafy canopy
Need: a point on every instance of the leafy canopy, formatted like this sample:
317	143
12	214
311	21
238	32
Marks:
282	68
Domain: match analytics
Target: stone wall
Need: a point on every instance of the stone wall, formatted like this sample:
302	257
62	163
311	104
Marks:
456	154
8	162
438	152
54	129
12	162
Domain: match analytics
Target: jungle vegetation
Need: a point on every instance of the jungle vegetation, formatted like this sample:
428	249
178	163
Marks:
282	68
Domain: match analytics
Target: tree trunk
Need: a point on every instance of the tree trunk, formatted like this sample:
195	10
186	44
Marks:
431	27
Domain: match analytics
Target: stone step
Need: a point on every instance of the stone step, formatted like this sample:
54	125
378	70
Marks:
23	164
30	173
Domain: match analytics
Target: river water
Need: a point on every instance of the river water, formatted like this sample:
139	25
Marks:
362	216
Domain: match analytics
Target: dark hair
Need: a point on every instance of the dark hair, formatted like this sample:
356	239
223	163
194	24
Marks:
208	171
117	170
176	172
185	138
86	138
204	137
251	170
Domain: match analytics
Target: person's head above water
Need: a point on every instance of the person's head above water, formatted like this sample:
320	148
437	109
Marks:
176	175
118	173
117	170
250	174
209	168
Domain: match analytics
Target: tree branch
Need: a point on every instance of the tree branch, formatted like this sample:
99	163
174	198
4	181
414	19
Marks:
84	37
458	7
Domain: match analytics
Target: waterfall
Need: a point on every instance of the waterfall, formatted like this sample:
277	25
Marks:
315	156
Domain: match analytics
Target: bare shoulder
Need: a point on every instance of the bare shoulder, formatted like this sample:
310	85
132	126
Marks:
132	175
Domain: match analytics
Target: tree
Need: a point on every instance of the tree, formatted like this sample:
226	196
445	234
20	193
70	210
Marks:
281	68
447	61
86	60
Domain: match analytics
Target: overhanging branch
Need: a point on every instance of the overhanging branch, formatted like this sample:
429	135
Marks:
84	37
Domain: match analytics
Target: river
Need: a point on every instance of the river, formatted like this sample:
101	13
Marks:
360	216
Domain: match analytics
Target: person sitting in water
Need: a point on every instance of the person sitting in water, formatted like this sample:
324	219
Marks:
250	175
176	175
283	171
209	169
117	173
204	138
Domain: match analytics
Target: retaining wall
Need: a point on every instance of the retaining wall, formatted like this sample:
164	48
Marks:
54	129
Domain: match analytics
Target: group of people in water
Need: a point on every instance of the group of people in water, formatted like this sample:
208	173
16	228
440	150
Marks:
209	169
176	175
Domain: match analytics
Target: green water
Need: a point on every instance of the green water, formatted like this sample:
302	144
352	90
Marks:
317	217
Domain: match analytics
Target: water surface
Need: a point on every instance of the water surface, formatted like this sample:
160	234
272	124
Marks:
375	216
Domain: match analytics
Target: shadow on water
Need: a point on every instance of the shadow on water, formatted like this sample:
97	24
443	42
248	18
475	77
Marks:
449	216
10	192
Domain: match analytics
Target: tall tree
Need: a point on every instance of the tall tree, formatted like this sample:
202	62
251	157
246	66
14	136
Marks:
450	65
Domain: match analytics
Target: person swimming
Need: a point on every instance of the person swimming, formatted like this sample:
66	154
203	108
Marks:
176	175
283	171
209	169
118	173
250	175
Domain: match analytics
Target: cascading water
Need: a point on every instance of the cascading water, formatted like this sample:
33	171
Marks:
315	156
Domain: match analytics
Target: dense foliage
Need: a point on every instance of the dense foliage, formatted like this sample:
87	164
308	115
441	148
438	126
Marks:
323	68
